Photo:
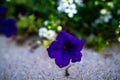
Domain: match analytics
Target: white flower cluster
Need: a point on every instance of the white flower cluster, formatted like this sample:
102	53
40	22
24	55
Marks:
69	6
49	34
104	17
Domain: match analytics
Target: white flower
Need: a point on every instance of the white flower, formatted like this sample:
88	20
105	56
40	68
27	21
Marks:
50	34
67	6
71	10
42	32
63	4
107	17
104	17
62	7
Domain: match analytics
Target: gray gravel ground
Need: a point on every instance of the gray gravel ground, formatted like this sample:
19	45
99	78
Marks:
18	63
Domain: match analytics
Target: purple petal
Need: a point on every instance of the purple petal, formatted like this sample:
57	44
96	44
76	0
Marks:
75	42
53	53
61	37
8	27
78	44
54	49
62	60
66	38
76	57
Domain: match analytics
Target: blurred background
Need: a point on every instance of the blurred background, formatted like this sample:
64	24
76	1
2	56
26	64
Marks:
32	23
95	21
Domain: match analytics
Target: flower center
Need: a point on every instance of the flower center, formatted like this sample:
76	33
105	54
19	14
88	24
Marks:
64	47
9	25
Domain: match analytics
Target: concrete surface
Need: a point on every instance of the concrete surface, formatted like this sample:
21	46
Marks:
18	63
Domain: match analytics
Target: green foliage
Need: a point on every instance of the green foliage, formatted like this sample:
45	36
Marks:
83	24
52	23
27	24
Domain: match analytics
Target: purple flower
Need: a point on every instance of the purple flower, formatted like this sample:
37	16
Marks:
65	48
3	10
8	27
